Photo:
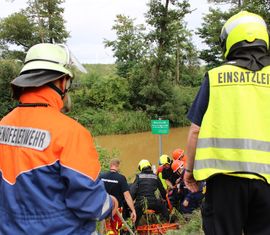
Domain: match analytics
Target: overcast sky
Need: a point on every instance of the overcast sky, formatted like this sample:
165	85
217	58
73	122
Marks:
90	21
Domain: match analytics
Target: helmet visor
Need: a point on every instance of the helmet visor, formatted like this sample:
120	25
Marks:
72	61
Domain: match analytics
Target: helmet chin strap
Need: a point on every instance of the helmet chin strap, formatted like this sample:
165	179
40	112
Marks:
57	89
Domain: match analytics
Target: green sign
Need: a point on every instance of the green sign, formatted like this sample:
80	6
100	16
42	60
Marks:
160	127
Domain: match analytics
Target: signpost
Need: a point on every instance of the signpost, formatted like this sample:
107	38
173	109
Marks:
160	127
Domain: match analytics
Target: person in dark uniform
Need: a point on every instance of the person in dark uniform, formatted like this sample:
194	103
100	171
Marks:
116	185
188	201
143	191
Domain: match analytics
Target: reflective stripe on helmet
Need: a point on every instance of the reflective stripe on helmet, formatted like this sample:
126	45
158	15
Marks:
228	27
244	29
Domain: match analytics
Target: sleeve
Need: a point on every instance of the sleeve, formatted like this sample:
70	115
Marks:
165	174
124	184
189	196
161	189
197	196
134	188
200	104
85	193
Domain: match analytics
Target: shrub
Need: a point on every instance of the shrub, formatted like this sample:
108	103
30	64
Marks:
190	226
105	156
106	122
9	69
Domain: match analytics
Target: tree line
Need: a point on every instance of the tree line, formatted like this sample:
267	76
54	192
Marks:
158	68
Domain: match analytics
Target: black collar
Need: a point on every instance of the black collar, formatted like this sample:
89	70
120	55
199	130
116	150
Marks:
253	58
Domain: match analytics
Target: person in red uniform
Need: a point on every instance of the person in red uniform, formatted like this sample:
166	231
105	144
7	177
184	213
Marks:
48	162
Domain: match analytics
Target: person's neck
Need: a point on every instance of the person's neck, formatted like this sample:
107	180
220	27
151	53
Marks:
42	94
113	170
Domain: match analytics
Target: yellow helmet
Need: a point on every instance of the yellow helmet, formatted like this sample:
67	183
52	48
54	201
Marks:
244	29
143	164
164	159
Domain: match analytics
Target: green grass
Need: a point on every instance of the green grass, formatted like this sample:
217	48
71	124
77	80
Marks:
191	225
104	122
101	69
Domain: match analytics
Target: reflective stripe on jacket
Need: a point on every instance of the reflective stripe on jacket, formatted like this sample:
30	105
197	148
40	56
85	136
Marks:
145	185
234	135
49	169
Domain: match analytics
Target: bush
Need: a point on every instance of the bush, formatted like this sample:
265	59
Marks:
106	122
105	156
9	69
190	226
178	108
108	104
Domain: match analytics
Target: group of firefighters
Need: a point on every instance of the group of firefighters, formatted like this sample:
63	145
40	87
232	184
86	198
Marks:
50	170
141	196
50	181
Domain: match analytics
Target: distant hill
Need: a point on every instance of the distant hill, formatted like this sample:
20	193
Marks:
101	69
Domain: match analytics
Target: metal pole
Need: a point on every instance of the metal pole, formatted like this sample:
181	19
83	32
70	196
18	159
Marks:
160	145
160	142
125	223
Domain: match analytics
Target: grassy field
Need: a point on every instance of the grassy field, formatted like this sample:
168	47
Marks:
191	225
101	69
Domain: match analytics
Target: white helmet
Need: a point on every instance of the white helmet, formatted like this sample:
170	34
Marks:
48	57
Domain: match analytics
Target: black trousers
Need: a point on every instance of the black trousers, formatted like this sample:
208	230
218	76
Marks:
153	204
236	206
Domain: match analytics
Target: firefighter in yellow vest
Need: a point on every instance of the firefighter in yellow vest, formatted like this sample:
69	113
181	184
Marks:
229	138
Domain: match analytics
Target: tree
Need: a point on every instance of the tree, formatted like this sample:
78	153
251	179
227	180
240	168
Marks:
166	23
41	21
154	60
260	7
209	32
129	47
238	3
166	36
17	29
184	55
47	16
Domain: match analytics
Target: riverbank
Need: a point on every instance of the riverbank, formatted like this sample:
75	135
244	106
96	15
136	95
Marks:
132	148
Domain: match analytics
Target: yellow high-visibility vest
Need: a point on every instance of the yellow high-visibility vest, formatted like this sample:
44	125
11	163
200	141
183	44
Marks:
235	132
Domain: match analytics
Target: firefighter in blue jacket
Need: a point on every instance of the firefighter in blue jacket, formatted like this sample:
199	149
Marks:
48	162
